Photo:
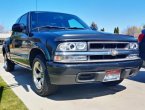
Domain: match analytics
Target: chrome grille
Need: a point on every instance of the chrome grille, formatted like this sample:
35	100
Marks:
107	45
104	52
106	57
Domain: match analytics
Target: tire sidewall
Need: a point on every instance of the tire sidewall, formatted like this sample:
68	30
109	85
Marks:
5	62
8	64
41	60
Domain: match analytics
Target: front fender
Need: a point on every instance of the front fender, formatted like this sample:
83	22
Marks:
43	49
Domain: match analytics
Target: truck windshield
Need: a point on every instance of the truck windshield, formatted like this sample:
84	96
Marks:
56	21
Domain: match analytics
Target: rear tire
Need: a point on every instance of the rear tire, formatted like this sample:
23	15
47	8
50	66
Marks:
112	83
8	64
41	80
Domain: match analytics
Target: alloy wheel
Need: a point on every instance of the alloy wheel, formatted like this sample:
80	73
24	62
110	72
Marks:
38	75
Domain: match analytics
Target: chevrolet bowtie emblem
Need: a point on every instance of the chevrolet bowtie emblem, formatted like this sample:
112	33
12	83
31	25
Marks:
114	52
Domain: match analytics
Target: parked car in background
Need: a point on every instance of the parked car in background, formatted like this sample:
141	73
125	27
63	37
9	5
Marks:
61	49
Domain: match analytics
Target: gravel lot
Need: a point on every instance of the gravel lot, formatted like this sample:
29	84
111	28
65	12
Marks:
130	95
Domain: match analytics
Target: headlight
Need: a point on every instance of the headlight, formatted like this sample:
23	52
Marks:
72	46
133	46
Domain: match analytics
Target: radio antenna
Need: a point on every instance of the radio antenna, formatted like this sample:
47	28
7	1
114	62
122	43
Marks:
36	5
37	13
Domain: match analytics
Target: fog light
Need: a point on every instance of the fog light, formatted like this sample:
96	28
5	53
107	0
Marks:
70	59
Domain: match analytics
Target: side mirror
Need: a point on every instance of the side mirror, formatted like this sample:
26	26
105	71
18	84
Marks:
18	28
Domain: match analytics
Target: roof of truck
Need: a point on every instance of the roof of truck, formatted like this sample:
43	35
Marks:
47	12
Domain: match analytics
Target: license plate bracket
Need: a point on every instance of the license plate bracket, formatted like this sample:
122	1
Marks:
112	75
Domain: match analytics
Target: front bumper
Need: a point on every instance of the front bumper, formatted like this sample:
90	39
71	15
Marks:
66	74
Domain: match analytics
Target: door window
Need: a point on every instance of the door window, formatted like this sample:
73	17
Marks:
23	20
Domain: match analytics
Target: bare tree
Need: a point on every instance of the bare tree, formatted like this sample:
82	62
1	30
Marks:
1	28
133	31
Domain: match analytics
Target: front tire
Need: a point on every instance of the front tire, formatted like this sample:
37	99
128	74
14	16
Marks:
8	64
112	83
42	85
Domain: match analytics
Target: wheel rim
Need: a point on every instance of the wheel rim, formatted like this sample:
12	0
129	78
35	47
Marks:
38	75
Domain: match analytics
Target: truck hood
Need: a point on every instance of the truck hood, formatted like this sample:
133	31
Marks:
87	35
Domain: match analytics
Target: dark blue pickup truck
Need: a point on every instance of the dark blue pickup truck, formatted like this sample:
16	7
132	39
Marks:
61	49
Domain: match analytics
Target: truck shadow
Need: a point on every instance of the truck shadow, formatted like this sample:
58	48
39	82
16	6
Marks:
70	92
140	77
86	91
23	78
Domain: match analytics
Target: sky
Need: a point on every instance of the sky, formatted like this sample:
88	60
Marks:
105	13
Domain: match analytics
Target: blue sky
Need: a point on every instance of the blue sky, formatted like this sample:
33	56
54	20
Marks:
106	13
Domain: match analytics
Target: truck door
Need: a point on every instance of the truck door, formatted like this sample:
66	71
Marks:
19	48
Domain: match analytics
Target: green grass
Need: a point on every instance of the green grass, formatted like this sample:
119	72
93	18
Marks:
8	100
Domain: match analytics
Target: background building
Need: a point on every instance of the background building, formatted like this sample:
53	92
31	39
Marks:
3	36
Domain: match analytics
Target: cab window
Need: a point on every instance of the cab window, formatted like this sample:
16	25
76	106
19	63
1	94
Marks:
23	20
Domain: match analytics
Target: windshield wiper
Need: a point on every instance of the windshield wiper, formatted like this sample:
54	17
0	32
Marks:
75	28
49	27
55	27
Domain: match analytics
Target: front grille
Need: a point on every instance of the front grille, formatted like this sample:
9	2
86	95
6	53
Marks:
103	52
106	57
107	45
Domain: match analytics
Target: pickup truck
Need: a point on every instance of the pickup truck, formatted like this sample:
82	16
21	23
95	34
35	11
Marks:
61	49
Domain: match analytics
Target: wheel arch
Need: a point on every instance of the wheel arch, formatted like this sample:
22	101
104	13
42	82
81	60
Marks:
36	51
